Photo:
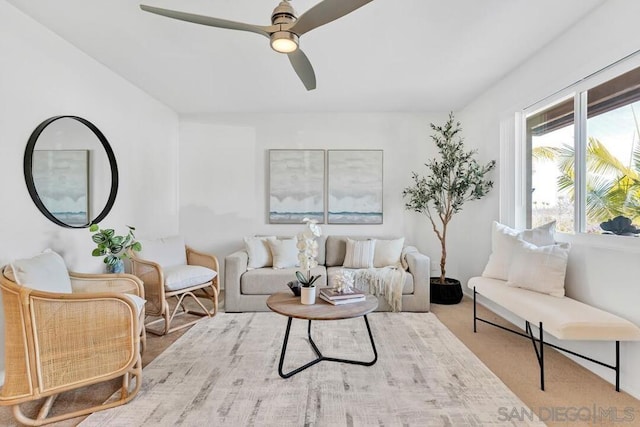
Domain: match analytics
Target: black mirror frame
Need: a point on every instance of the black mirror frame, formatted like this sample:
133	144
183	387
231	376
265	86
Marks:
28	170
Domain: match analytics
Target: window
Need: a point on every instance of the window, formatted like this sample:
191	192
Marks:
583	157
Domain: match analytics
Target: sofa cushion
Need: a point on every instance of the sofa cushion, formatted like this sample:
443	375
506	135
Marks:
166	251
359	253
44	272
321	249
259	251
266	281
332	272
336	249
387	252
284	252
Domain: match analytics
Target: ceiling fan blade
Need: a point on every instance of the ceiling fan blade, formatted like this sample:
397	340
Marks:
303	68
206	20
325	12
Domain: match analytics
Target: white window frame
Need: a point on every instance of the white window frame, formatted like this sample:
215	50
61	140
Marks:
513	150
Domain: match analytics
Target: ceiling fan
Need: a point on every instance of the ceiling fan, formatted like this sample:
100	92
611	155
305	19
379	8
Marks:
284	31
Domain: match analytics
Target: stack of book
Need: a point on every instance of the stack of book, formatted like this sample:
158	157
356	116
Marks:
338	298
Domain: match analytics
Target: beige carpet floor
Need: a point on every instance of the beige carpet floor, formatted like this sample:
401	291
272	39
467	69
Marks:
510	357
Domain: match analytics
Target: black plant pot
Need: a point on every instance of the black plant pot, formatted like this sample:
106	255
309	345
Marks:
448	293
294	285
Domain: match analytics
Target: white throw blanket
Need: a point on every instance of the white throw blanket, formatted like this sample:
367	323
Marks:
387	281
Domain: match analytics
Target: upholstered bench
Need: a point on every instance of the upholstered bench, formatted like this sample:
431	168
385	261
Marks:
525	274
562	317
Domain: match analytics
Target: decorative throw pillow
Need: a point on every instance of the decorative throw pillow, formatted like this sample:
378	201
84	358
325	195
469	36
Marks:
359	253
539	268
45	272
284	252
165	251
540	236
259	251
387	252
503	241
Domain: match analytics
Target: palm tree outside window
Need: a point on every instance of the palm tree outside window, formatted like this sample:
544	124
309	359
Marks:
582	194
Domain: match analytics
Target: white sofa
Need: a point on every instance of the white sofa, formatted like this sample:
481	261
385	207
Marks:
248	289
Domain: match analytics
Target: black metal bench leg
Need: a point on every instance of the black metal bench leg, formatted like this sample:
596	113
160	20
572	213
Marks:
541	359
475	316
617	365
539	350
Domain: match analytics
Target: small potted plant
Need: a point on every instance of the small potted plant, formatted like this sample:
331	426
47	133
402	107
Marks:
307	253
112	247
453	179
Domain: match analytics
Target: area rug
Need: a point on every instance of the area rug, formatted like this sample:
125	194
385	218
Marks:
224	371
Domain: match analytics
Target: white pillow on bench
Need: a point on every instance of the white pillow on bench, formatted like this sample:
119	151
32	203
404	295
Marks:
503	243
539	268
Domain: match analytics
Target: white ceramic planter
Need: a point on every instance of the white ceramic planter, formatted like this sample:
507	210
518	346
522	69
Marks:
308	295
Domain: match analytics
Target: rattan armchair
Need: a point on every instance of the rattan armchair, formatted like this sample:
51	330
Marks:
174	275
56	342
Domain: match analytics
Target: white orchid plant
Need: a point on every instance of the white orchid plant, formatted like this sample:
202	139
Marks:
308	251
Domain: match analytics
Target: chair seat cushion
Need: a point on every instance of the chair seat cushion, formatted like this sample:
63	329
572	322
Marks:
137	301
184	276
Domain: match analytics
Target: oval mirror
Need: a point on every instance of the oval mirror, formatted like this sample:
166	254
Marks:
71	171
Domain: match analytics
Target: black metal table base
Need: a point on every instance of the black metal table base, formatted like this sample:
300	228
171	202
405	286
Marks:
320	357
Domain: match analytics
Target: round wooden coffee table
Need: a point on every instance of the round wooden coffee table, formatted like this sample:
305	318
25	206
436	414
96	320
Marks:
290	306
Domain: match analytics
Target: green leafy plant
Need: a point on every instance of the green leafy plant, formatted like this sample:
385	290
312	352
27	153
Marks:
612	187
305	281
453	179
111	246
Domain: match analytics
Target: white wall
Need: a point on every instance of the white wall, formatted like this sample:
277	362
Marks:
598	274
224	171
42	76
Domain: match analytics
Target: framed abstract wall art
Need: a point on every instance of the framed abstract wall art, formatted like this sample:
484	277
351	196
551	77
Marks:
354	187
296	186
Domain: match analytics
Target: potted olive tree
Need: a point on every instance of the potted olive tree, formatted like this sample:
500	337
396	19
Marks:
451	180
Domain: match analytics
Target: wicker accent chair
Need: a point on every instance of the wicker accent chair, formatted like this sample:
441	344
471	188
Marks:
64	331
172	271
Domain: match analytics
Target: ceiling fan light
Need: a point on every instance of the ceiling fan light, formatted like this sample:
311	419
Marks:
284	41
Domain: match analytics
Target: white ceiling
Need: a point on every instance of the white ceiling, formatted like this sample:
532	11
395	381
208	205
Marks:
389	55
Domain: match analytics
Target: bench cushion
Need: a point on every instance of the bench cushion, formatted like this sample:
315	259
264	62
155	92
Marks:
564	318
